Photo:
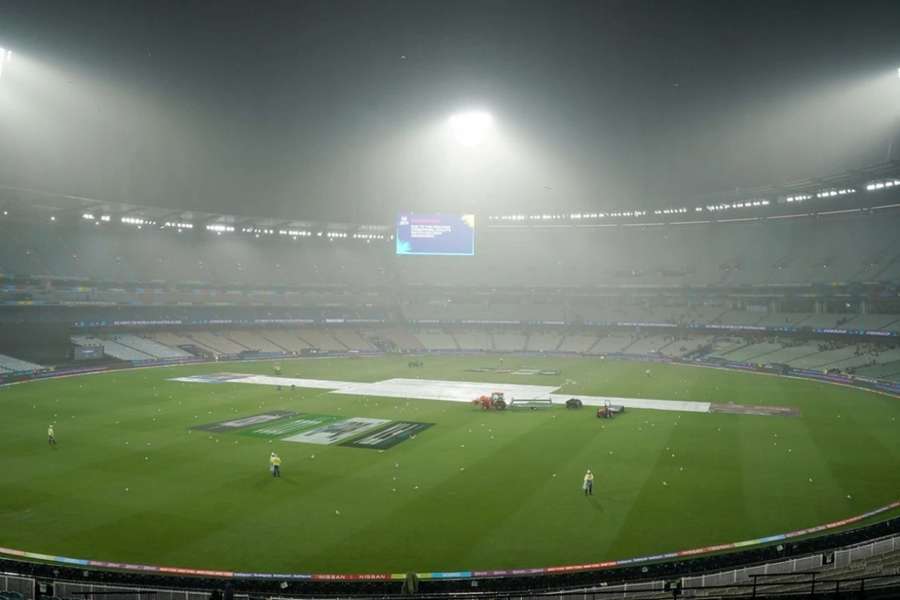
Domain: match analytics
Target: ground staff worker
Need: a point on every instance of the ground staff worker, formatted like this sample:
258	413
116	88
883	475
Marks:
588	483
275	461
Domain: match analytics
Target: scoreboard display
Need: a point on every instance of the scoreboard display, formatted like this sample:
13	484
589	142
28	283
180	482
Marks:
435	234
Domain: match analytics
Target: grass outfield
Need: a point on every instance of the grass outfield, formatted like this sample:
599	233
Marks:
475	491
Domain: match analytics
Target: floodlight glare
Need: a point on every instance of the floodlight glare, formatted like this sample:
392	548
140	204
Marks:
470	128
5	57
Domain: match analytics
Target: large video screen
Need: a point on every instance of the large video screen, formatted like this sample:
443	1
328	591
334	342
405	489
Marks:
436	234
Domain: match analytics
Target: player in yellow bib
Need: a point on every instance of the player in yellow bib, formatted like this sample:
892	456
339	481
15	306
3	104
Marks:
51	438
588	484
275	461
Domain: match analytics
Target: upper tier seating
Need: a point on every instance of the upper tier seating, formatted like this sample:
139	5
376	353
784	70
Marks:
791	251
122	255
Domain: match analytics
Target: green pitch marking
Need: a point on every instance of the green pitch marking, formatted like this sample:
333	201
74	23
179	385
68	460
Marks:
388	436
291	425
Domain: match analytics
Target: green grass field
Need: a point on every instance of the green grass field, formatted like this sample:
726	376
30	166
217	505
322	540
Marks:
475	491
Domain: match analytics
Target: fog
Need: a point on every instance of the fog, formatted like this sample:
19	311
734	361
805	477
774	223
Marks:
340	112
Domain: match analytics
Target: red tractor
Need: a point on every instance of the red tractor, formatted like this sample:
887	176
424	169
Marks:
495	401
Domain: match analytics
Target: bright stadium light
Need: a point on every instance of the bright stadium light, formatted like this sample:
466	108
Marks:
5	58
471	128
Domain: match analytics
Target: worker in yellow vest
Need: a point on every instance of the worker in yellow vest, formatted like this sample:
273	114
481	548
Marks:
588	484
275	461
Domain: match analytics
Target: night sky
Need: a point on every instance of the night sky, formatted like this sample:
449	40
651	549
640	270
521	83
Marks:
335	110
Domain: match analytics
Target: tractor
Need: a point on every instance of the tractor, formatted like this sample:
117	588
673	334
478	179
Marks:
495	401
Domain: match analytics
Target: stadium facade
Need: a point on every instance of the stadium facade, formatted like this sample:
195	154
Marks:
803	275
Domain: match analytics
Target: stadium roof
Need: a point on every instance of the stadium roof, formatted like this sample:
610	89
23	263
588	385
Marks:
839	191
56	206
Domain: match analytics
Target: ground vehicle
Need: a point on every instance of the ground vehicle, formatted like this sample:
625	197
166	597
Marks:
496	401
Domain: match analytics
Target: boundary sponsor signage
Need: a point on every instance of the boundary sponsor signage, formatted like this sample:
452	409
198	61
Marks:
449	574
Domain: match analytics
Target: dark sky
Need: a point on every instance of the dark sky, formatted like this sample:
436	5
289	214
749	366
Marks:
333	110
